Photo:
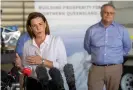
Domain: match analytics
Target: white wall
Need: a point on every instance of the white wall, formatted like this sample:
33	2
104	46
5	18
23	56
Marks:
124	12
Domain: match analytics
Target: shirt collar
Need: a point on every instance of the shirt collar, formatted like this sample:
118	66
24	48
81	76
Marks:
45	41
113	23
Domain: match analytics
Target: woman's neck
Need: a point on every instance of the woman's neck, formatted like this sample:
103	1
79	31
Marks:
39	40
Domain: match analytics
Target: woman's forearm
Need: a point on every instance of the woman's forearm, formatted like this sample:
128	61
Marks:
21	68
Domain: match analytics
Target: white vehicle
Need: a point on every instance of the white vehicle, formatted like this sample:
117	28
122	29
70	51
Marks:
127	77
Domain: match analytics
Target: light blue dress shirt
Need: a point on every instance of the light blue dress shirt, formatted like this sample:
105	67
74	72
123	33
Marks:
107	45
20	43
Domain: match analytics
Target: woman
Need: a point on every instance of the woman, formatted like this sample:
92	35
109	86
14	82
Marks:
43	48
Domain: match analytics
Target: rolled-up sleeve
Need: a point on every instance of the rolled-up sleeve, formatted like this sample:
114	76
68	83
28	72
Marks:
20	43
19	46
61	54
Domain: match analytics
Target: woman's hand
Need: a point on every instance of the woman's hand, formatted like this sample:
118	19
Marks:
34	60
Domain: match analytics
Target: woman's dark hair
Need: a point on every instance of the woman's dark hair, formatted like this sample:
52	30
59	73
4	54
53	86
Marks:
32	16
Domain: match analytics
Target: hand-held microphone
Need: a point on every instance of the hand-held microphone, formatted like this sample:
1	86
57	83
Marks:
27	72
70	77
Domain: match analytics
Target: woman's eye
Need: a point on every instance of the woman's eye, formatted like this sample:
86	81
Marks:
33	26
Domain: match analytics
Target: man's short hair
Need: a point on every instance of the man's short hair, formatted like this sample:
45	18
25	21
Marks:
108	4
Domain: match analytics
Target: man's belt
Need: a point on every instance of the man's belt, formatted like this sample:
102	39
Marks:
104	64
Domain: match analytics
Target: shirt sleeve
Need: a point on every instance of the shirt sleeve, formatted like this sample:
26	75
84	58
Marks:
61	54
20	43
126	42
19	46
87	41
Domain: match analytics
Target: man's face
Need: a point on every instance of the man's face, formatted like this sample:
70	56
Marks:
107	14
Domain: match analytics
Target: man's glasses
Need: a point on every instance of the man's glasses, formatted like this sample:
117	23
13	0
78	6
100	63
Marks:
111	13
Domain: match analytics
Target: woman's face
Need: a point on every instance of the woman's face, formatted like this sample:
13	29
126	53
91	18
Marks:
38	26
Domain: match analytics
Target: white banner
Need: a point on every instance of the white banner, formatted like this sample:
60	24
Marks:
70	20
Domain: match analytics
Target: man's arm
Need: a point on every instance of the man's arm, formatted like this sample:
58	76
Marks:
126	42
87	40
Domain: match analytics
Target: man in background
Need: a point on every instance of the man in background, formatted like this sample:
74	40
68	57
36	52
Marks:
107	42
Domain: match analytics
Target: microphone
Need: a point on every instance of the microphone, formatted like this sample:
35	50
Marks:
42	76
27	72
6	80
57	79
70	77
4	75
15	73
